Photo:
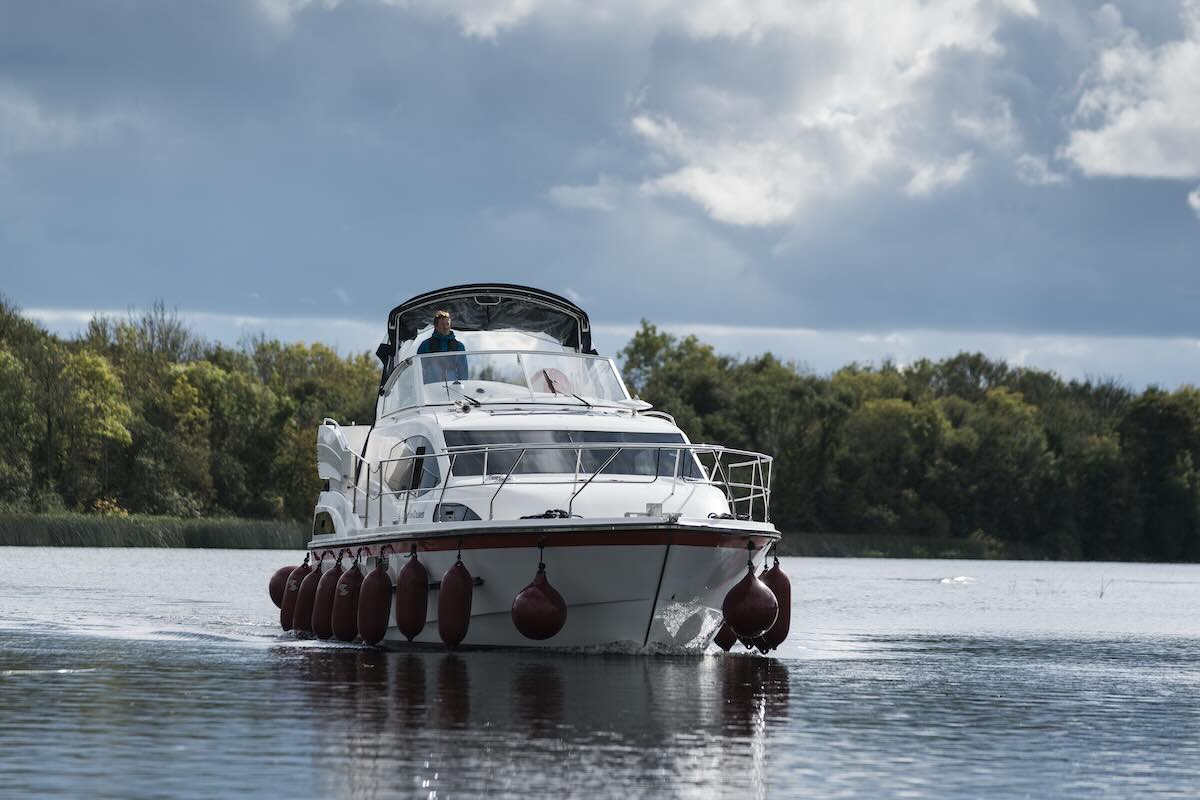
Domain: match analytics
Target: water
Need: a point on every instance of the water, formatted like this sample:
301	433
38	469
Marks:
162	673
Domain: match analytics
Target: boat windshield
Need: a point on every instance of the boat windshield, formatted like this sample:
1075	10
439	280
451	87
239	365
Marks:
505	377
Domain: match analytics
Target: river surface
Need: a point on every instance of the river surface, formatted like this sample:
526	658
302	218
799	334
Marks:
162	673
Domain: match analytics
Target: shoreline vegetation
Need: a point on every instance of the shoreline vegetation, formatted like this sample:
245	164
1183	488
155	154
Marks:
67	529
64	529
136	432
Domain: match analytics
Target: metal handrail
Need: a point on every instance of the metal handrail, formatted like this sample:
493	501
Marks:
757	487
592	477
507	475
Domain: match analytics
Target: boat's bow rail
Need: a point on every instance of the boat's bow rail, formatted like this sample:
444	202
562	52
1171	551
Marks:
743	477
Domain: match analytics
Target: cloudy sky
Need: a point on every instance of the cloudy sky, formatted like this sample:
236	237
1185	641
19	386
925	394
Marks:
832	181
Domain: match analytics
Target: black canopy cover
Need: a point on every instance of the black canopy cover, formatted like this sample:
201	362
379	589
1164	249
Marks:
485	307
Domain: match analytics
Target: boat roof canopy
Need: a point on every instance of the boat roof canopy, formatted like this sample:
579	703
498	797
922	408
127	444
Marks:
488	307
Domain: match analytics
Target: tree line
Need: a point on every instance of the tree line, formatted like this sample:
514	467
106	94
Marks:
1012	457
140	415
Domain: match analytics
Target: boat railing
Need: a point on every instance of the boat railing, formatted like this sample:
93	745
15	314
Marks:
743	476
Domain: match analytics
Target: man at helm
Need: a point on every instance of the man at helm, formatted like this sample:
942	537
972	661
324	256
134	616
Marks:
453	368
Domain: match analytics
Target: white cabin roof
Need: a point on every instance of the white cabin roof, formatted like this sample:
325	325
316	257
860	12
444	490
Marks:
552	419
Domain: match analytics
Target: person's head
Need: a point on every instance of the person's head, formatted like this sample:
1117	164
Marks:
441	322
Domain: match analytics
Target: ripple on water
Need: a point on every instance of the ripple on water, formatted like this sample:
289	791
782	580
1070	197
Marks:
1023	682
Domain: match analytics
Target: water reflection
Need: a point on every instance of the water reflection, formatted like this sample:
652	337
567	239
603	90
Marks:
483	721
453	698
408	693
756	690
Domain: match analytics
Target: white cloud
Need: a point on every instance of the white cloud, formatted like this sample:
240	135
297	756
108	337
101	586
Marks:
1193	200
1139	115
738	182
929	177
860	110
603	195
994	126
27	126
1035	171
280	12
848	105
483	19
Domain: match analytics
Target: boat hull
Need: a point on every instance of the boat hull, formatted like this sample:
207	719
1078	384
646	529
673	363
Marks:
626	585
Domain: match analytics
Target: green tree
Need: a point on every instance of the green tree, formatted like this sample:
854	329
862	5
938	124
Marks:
94	417
892	450
1160	439
1010	468
18	435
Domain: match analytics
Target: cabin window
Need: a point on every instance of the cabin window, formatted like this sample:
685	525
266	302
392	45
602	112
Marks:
411	466
570	460
323	524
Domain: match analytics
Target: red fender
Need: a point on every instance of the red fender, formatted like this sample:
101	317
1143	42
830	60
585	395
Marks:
305	598
322	614
538	610
287	609
375	604
781	587
345	604
454	604
725	637
278	584
412	597
750	607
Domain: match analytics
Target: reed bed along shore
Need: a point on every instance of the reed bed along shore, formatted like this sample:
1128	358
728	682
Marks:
865	545
137	530
92	530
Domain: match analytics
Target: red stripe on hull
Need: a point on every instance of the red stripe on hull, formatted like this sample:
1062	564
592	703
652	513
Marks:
495	541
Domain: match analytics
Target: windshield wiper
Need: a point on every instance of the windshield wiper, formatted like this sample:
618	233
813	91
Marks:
554	389
459	392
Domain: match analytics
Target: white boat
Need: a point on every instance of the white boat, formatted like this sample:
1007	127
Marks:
526	448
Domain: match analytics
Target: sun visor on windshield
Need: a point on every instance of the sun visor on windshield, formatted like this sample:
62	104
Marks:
494	314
